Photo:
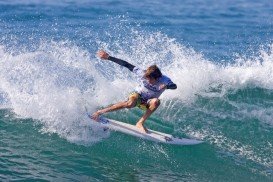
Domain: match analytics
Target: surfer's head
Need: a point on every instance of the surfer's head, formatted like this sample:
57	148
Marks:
152	73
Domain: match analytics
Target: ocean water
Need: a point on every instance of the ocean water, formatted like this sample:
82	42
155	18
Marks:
219	53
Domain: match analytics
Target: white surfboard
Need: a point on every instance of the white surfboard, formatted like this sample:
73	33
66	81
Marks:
110	124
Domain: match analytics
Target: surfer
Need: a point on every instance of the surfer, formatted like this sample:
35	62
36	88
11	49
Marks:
152	85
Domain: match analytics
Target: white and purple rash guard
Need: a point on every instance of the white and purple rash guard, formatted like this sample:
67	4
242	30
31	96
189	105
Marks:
145	89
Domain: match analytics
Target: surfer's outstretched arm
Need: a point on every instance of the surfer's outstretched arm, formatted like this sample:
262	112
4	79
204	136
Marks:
104	55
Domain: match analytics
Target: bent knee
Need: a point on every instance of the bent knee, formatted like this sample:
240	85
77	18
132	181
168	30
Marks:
130	104
155	102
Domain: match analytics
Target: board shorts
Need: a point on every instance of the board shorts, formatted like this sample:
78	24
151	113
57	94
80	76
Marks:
141	103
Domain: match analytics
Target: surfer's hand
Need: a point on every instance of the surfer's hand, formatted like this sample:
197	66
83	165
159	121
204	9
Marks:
102	54
162	86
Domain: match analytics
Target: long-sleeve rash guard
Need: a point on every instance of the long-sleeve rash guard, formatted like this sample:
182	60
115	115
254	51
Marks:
145	89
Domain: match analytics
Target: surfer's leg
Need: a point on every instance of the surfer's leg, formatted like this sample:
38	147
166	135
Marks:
152	106
131	102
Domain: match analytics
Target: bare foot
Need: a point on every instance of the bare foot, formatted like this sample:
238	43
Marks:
141	128
95	116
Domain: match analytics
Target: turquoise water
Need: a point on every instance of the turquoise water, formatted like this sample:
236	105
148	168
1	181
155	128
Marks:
220	55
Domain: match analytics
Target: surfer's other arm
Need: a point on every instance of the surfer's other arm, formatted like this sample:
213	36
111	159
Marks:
168	84
104	55
171	86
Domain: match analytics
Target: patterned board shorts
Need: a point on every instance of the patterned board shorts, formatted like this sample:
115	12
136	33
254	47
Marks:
141	103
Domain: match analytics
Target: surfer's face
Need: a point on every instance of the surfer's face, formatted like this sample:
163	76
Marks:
151	80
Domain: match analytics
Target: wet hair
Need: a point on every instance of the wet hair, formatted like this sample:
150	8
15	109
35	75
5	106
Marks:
153	72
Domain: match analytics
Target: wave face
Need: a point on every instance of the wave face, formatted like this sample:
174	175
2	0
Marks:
49	73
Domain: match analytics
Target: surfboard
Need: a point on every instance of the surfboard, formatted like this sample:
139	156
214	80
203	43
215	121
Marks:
155	136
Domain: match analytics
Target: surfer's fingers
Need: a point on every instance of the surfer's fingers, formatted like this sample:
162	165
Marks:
102	54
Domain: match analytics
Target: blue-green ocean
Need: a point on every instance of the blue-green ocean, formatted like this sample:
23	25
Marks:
219	53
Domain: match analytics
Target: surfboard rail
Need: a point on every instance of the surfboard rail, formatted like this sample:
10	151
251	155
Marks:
152	135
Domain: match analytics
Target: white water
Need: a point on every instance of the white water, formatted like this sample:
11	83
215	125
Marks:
54	82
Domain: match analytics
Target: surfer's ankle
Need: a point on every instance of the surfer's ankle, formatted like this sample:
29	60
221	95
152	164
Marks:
96	115
140	126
